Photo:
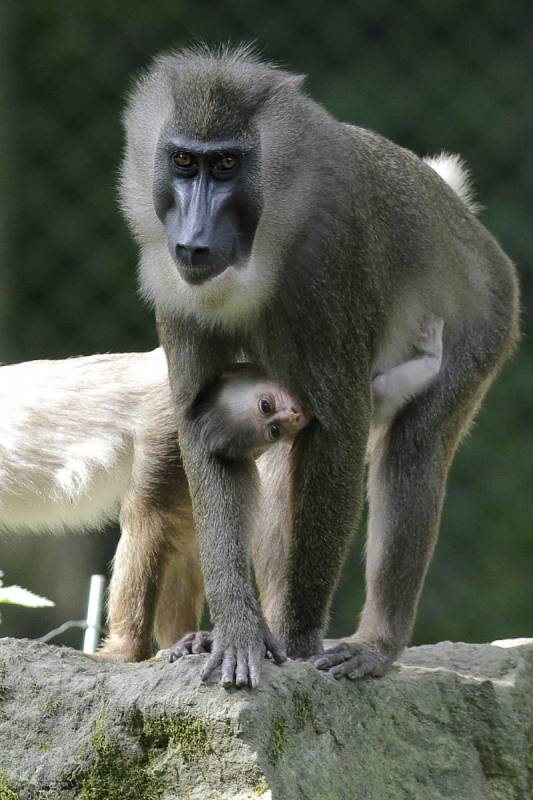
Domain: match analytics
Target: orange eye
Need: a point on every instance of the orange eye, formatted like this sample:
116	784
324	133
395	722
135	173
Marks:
226	163
183	160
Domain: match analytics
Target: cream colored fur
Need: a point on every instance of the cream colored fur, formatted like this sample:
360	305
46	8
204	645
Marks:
67	436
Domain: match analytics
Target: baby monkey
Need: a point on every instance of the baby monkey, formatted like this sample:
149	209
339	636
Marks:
244	413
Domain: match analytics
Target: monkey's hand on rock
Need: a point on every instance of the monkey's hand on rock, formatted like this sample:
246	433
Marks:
355	658
192	644
240	656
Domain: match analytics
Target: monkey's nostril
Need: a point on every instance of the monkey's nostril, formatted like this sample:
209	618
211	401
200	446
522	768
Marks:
192	255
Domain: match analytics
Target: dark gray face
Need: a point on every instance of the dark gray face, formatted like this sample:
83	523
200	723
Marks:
206	198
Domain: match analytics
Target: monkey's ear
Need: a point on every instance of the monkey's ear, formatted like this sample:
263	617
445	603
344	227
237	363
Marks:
292	81
284	83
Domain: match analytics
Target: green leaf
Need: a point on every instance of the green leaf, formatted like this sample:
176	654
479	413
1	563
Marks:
17	596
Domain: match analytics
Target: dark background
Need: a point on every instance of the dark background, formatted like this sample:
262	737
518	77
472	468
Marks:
432	75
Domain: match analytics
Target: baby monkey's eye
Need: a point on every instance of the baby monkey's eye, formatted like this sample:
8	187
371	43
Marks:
274	432
265	407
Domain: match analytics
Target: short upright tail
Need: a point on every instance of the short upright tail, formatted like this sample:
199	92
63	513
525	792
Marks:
455	172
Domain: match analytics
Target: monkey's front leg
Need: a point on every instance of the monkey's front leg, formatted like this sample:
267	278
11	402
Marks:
224	495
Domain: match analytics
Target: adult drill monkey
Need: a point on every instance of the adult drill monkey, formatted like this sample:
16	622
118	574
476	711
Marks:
316	248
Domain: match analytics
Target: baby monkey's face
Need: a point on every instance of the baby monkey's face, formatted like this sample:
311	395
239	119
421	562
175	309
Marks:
277	413
262	412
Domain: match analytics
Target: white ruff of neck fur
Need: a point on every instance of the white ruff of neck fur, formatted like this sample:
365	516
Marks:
227	300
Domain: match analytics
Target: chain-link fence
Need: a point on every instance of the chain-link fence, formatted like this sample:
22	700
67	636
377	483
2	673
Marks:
428	74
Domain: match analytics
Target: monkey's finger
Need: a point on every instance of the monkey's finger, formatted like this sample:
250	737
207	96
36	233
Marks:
329	660
182	647
359	666
201	643
348	670
276	650
255	661
214	661
360	672
177	651
228	668
339	647
243	665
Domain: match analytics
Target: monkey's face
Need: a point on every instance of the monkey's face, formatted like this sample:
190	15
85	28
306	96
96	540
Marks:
263	411
205	195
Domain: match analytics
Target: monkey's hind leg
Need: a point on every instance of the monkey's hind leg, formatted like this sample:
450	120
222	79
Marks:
138	567
181	596
406	486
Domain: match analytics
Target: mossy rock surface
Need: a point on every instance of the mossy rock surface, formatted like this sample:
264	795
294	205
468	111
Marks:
451	722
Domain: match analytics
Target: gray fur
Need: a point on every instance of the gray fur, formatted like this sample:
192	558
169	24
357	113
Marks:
216	433
358	242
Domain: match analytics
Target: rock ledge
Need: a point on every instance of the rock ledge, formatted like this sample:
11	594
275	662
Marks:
452	721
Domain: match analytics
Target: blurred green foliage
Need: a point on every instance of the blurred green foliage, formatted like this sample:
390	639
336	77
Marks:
430	75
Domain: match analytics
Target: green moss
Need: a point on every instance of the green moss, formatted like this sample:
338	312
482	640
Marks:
51	707
3	670
261	789
303	709
6	791
116	774
278	741
5	691
186	733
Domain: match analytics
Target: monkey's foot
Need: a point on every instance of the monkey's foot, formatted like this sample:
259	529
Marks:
121	650
193	643
356	659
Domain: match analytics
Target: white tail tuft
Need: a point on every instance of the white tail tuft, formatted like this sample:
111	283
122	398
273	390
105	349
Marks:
454	171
